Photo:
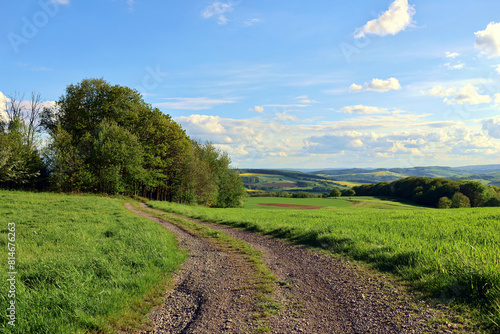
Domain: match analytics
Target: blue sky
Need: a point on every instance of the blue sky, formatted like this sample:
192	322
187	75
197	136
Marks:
282	84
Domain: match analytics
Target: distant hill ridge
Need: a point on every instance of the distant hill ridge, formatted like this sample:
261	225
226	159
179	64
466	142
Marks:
486	174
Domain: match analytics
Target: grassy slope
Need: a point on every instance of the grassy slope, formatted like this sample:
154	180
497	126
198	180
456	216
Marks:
451	254
294	178
84	263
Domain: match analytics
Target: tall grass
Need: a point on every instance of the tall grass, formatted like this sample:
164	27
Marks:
450	254
84	263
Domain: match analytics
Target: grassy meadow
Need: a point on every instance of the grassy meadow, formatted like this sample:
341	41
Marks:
84	263
254	203
453	255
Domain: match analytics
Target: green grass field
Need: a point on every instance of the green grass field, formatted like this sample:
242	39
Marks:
453	255
84	263
253	202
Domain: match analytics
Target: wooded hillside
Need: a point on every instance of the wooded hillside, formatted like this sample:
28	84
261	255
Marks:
435	192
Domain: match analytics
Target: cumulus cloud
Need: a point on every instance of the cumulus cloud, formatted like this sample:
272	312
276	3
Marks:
377	85
440	91
191	103
488	40
258	109
452	55
237	151
203	124
363	110
470	95
362	140
458	66
219	11
397	18
423	146
497	99
3	107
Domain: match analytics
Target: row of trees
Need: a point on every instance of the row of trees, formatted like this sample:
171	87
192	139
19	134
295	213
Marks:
435	192
102	138
335	193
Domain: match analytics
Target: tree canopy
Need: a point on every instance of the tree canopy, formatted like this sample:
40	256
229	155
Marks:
105	139
435	192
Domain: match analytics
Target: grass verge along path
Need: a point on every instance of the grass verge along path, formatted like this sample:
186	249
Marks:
261	280
84	263
452	255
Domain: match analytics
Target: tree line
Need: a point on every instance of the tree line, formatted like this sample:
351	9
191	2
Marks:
435	192
103	138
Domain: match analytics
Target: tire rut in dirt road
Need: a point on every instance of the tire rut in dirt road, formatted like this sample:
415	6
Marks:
211	292
323	294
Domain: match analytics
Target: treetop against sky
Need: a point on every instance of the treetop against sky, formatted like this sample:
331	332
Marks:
282	83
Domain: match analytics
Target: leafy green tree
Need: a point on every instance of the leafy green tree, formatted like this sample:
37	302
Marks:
335	193
116	160
348	192
107	139
444	203
20	164
459	200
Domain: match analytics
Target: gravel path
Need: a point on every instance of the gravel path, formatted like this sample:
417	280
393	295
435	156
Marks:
210	293
317	293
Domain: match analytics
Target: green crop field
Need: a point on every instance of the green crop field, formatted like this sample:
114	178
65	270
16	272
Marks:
255	202
83	263
452	254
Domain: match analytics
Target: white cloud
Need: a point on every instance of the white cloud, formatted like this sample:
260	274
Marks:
492	125
235	151
397	18
377	85
284	116
191	103
363	110
488	40
258	109
305	99
286	105
415	145
440	91
366	140
398	120
498	69
203	123
355	88
61	2
470	95
458	66
497	99
3	107
218	10
252	22
452	55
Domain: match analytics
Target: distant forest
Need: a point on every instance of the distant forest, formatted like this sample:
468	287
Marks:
102	138
436	192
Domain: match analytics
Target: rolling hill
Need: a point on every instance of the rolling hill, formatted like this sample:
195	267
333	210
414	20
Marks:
319	181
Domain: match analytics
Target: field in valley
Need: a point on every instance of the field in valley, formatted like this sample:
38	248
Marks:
449	254
84	263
